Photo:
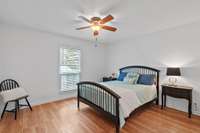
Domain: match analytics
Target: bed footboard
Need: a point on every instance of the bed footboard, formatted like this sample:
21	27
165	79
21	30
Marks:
101	98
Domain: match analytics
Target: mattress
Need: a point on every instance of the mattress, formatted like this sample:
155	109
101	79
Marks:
132	96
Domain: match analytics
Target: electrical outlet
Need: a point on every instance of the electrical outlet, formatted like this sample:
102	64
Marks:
195	107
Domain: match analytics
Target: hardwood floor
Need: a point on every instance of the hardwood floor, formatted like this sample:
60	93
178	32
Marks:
63	117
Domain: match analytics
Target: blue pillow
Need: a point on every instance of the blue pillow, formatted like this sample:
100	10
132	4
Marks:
146	79
122	75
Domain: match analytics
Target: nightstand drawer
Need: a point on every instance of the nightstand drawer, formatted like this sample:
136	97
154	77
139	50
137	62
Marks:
178	93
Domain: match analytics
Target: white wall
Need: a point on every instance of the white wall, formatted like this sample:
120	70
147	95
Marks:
31	57
179	46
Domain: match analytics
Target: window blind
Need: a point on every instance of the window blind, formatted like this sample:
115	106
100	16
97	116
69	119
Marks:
69	68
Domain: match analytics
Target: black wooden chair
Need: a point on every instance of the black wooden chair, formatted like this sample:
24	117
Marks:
10	91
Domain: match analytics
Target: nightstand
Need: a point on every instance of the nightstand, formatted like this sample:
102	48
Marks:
105	79
177	91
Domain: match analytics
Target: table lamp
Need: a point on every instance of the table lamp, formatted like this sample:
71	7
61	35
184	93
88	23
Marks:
173	72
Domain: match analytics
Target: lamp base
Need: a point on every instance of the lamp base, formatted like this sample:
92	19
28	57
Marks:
172	81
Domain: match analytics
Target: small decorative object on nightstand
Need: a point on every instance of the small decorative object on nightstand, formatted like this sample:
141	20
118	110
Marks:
177	91
105	79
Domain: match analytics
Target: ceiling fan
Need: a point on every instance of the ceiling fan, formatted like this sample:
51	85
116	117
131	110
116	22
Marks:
96	24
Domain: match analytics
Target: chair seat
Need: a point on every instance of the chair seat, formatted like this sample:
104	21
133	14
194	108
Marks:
14	94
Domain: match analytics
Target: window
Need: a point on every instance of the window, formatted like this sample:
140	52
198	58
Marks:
69	68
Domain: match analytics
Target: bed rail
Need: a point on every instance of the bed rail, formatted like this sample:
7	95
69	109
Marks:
101	98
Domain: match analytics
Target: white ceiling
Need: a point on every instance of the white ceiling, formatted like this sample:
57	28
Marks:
132	17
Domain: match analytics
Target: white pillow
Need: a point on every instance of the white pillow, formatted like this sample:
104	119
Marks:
131	78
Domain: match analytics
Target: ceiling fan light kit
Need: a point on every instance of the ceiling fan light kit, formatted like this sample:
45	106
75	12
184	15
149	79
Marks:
96	24
96	27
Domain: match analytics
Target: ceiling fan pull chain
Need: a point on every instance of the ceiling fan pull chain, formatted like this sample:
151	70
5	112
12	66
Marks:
96	42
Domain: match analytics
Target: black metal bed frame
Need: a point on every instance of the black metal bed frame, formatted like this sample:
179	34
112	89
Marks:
105	100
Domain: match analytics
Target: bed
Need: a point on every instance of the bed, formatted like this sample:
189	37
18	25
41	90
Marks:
116	99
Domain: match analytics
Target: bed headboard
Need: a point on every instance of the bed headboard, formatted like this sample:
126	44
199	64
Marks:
144	70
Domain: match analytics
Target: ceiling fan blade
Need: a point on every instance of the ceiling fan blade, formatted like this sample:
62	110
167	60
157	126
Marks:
109	28
85	19
106	19
81	28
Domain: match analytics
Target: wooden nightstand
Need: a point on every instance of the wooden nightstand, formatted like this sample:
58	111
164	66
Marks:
177	92
108	79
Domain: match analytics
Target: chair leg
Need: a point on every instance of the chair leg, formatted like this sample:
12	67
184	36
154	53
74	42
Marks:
16	108
4	110
18	105
28	104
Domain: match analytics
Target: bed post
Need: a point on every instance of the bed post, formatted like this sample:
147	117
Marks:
157	87
117	116
78	102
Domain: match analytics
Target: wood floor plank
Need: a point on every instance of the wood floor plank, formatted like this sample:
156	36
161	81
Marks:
64	117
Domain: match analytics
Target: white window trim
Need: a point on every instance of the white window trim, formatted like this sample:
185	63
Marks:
59	74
